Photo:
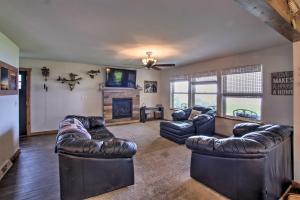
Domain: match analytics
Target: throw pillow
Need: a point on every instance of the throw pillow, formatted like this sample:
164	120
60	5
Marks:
73	125
194	113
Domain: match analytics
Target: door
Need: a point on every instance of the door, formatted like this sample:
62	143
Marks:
23	103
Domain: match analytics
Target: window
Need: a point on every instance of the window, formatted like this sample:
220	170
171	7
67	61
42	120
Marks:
204	89
242	92
179	92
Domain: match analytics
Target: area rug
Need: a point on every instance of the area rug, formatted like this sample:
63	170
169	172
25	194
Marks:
161	168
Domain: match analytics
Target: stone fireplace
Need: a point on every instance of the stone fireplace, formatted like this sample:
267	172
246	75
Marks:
121	105
121	108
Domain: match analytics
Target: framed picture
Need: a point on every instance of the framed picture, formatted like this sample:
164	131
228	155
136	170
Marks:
150	86
4	79
8	79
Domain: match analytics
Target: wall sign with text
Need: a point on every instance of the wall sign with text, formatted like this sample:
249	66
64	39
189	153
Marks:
282	83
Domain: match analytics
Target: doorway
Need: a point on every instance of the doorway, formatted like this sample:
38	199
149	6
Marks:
24	101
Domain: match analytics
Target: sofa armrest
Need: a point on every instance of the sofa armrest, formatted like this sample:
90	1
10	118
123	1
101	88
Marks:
202	119
113	148
204	143
228	146
179	115
204	124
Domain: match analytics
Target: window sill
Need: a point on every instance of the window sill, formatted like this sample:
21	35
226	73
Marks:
241	119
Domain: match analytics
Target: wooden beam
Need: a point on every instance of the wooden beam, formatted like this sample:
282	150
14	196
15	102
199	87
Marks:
266	10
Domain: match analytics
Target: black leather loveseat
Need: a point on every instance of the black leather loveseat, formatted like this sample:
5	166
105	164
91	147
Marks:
93	164
256	163
181	128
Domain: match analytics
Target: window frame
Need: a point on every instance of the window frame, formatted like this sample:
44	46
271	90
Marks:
242	95
172	93
212	82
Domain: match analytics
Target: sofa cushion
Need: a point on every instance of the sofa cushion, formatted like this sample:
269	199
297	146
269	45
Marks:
239	145
101	133
243	128
96	122
263	137
194	113
178	127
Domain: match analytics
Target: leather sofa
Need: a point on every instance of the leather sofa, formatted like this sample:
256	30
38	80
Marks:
89	166
255	163
181	128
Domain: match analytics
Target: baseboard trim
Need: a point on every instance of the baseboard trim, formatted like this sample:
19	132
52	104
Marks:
51	132
121	123
15	156
4	168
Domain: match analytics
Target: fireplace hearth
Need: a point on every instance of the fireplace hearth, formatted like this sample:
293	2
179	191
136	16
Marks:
121	108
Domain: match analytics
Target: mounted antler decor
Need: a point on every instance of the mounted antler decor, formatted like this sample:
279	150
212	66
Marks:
93	73
71	82
45	73
294	10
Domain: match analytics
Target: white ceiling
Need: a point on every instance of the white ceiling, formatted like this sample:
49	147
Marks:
118	32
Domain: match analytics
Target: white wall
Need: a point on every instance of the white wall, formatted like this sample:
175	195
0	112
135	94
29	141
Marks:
275	109
9	105
48	108
296	57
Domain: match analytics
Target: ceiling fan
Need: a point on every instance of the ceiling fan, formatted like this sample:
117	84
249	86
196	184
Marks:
150	62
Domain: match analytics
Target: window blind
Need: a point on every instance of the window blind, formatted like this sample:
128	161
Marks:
242	81
179	78
210	76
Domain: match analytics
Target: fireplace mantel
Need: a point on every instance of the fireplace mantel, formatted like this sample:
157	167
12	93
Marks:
120	88
110	93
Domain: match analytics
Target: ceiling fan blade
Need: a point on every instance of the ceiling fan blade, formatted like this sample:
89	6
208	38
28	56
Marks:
155	67
164	65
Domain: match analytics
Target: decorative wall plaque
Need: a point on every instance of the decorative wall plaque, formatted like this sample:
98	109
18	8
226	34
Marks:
282	83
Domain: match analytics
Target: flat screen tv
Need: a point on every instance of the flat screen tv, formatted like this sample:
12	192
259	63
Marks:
120	78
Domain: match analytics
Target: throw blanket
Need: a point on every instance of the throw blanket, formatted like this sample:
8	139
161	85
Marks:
72	125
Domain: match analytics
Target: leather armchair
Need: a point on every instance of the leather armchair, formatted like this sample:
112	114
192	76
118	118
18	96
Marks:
256	165
89	167
181	128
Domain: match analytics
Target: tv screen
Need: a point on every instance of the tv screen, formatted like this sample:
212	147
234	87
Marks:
120	78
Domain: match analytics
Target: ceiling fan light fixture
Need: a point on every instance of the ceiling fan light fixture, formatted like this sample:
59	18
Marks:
149	59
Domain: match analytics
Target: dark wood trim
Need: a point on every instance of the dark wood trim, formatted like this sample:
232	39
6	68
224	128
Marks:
267	11
15	156
51	132
28	99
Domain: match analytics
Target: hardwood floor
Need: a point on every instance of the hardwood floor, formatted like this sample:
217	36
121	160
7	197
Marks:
34	175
